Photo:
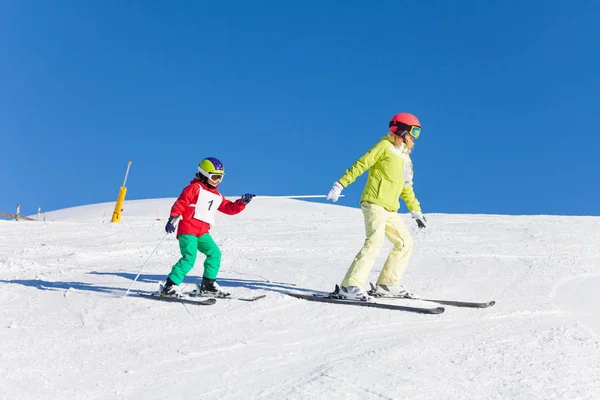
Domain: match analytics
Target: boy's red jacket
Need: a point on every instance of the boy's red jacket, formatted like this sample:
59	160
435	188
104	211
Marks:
188	225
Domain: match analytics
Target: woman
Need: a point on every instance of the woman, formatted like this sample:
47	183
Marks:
390	177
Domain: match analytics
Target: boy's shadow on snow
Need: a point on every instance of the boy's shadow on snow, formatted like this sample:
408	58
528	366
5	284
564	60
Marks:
280	287
47	285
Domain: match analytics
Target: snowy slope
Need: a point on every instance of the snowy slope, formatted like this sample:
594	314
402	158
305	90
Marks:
66	332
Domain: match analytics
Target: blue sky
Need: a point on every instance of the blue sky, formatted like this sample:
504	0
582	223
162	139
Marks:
288	95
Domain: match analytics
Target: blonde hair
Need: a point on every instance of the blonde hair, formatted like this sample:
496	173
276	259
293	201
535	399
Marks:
400	143
397	139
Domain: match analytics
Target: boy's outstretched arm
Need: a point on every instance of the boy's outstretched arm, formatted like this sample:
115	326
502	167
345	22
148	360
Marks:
235	207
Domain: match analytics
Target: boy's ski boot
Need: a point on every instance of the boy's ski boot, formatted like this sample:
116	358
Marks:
169	289
209	287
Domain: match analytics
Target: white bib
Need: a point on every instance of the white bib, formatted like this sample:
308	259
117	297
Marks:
206	206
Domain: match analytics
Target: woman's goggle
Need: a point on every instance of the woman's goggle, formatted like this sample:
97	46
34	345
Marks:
402	130
216	177
414	131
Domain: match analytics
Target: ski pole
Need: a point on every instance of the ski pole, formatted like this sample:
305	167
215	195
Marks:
144	266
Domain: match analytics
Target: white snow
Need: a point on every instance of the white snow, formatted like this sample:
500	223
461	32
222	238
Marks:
67	333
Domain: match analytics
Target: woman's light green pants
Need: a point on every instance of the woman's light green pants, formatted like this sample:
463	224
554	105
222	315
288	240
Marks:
379	224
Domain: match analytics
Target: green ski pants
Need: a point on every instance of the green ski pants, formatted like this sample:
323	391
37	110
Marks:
190	246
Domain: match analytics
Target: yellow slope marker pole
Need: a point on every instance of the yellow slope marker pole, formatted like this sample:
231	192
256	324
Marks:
122	191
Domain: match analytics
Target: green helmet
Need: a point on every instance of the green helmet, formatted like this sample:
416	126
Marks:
212	169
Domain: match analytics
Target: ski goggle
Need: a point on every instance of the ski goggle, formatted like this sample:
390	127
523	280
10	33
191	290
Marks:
216	177
402	129
414	131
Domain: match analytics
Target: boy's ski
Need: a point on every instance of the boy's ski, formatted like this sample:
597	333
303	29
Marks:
455	303
260	296
185	299
230	297
458	303
327	299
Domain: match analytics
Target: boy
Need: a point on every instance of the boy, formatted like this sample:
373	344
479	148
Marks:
196	207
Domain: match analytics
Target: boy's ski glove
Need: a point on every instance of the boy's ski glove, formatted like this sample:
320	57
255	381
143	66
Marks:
420	218
247	198
170	228
335	192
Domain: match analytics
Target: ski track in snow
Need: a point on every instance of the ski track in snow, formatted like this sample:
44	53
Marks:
66	331
580	295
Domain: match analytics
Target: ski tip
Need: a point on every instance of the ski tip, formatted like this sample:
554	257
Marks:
483	305
262	296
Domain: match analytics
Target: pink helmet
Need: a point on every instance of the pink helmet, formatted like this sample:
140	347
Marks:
403	119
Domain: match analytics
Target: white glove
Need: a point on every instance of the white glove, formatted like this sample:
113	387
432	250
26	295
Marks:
335	192
420	218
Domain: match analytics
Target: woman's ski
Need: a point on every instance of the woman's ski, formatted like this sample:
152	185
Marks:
455	303
373	304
